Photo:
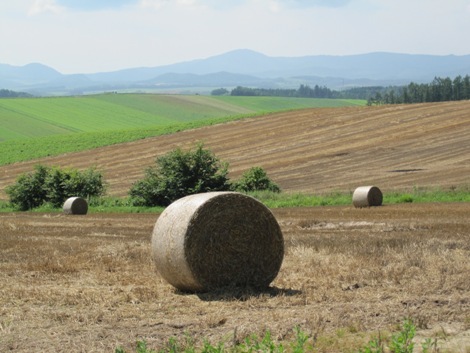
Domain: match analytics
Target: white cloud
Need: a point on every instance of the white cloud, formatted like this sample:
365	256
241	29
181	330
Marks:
159	4
154	4
274	6
42	6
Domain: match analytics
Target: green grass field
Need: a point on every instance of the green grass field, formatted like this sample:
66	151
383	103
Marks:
37	117
32	128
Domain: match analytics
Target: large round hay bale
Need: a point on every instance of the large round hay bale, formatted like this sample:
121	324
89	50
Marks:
213	240
367	196
75	205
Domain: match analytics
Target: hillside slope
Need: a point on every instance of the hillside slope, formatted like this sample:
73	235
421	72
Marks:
312	150
37	117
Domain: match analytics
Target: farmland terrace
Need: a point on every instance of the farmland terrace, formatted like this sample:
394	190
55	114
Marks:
319	150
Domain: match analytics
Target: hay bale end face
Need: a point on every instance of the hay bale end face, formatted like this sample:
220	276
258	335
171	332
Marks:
213	240
75	206
367	196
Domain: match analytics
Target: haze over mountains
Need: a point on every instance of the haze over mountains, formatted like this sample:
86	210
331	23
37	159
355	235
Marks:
242	68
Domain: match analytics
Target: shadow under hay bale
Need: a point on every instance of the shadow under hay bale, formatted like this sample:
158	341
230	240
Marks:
245	293
75	206
367	196
213	240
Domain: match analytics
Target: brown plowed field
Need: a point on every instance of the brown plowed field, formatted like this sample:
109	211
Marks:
312	150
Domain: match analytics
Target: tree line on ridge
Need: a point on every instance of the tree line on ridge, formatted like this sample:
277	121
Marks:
439	90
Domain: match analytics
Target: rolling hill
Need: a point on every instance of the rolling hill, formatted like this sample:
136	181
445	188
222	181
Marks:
319	150
38	117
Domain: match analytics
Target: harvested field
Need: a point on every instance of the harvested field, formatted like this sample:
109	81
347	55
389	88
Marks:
312	150
87	283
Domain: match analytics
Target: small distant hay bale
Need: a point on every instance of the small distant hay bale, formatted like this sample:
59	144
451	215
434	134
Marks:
75	205
367	196
215	240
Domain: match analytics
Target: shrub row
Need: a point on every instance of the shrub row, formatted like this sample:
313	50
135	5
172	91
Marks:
180	173
175	175
53	185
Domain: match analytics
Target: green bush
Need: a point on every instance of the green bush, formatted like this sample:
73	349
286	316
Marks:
29	192
178	174
62	184
255	179
54	185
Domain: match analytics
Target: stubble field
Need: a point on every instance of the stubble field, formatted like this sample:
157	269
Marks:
87	283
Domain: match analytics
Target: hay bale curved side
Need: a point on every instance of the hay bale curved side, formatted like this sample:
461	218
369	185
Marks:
75	205
207	241
367	196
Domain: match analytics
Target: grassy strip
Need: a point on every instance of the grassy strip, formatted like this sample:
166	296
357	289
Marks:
417	195
281	200
283	103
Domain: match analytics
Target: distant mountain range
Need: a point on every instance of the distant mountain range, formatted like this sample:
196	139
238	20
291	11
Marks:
242	68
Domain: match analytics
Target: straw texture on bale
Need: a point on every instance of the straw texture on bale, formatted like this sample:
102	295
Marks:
367	196
75	205
213	240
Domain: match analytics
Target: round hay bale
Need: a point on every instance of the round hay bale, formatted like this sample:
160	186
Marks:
366	196
213	240
75	205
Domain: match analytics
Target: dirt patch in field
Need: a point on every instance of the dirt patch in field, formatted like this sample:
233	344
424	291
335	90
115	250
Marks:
311	150
87	283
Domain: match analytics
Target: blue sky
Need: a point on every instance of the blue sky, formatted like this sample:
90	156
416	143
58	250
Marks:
85	36
92	5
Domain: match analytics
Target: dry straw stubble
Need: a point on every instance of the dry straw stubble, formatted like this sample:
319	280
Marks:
213	240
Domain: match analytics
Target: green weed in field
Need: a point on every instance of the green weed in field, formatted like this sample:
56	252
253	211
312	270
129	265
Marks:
252	344
399	342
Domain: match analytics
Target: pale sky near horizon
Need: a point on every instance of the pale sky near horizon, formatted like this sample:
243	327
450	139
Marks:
87	36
